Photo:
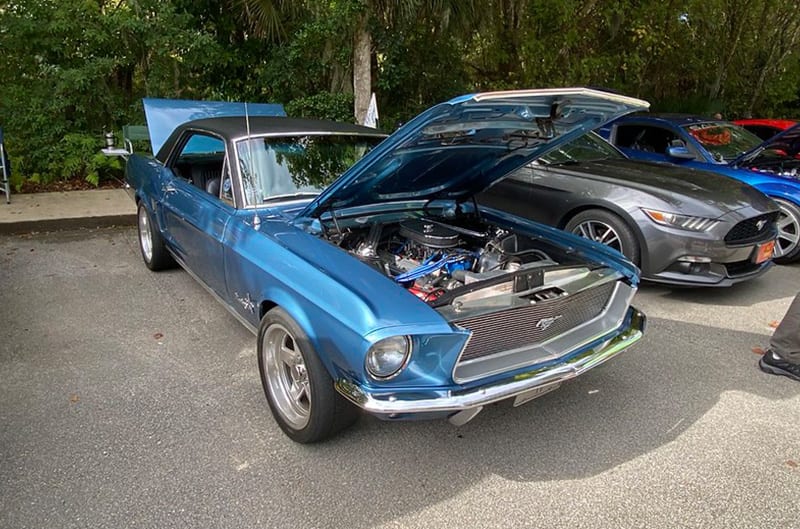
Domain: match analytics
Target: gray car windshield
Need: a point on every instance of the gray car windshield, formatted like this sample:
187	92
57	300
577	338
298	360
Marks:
282	168
724	141
587	148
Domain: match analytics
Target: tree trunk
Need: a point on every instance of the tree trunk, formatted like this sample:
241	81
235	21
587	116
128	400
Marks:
362	72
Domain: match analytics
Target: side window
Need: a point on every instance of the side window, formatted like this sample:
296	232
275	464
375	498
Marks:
201	162
226	186
644	138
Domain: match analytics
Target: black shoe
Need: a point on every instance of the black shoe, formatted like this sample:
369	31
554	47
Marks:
775	365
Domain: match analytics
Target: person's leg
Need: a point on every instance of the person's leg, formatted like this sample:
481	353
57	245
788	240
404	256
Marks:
783	356
786	340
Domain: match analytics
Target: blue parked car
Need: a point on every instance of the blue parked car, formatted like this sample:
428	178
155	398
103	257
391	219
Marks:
725	148
364	265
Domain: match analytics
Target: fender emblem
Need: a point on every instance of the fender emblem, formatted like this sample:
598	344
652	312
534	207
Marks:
246	302
544	323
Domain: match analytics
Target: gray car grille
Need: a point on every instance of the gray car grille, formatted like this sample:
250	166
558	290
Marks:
749	230
519	327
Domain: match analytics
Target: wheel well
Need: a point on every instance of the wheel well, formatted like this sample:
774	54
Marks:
643	255
265	307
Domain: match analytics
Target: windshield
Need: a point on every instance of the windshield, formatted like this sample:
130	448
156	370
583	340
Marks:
276	168
587	148
724	141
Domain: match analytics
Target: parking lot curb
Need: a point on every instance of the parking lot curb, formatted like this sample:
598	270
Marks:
38	212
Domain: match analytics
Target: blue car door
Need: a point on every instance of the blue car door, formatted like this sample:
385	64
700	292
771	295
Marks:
194	215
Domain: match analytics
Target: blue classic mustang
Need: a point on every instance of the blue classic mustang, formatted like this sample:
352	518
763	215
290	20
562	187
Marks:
390	289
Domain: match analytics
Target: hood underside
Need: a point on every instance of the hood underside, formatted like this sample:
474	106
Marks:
783	145
461	147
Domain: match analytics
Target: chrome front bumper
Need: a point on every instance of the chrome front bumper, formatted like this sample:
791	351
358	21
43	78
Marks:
463	406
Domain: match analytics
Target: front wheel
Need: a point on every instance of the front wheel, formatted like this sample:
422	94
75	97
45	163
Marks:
607	228
298	388
787	246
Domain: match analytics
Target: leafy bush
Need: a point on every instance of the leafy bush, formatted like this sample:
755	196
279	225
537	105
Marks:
324	105
78	155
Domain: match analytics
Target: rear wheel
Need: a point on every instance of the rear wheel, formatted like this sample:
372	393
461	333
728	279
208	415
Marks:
299	389
151	243
787	246
607	228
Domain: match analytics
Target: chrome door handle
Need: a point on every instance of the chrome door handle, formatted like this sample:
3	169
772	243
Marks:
169	189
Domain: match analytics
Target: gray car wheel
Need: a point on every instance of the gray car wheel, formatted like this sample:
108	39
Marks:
151	243
298	388
606	228
787	246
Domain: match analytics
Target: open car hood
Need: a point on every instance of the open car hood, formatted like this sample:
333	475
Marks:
166	115
458	148
777	142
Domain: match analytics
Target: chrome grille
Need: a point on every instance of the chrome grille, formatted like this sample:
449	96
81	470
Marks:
526	326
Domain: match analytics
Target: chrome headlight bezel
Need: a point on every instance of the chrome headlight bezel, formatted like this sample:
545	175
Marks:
681	222
386	358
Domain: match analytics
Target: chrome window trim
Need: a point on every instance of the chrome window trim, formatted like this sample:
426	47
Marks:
236	140
174	152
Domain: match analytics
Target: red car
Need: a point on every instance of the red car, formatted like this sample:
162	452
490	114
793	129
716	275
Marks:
766	128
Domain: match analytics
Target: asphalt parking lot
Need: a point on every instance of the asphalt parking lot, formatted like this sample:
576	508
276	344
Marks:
132	399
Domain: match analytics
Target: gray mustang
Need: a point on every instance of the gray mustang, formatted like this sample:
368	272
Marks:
680	226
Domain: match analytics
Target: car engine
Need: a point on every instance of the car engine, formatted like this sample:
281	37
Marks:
431	257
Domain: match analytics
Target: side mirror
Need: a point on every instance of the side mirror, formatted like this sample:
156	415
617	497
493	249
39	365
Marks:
679	151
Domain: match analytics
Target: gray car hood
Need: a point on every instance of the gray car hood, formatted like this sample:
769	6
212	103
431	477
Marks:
694	192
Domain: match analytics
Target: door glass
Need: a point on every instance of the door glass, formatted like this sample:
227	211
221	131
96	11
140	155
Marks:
201	162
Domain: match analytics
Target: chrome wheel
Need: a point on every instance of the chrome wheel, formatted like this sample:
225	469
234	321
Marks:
286	376
145	237
788	230
599	232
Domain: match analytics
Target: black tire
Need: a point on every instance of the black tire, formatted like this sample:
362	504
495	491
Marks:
151	243
595	224
788	244
298	388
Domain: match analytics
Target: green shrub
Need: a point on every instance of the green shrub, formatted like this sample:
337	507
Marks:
323	105
78	156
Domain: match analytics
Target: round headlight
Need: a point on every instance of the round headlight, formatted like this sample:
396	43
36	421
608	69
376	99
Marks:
388	356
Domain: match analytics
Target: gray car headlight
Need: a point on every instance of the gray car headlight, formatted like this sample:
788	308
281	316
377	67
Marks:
388	356
683	222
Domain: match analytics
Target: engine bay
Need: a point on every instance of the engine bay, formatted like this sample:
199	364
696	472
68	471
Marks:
440	259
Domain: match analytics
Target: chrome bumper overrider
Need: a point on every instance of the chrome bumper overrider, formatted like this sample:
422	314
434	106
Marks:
465	405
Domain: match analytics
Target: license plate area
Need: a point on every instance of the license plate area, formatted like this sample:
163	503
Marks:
764	251
535	393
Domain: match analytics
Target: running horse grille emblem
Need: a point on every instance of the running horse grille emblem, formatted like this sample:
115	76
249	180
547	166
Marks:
760	224
544	323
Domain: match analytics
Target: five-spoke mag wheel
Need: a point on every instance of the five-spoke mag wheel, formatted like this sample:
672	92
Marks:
287	376
151	244
299	390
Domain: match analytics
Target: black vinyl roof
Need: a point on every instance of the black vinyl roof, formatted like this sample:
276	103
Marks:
230	128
